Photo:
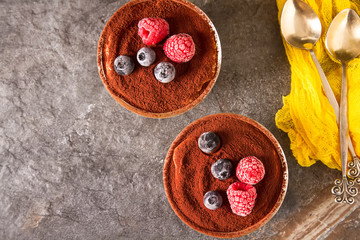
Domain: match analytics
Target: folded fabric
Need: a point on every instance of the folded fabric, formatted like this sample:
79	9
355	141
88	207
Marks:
307	115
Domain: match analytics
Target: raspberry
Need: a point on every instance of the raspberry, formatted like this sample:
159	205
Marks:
250	170
153	30
180	48
241	198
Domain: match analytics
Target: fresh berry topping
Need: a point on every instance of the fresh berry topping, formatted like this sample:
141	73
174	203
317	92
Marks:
180	48
222	169
146	56
212	200
241	198
250	170
153	30
209	142
124	65
164	72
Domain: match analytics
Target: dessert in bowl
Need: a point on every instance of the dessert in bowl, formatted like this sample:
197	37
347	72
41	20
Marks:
189	175
140	91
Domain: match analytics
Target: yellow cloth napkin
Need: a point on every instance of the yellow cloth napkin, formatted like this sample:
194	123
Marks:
307	115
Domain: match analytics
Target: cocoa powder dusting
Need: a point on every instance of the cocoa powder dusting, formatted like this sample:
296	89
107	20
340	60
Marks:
140	89
189	175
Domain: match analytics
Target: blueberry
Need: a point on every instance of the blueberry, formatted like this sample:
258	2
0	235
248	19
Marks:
146	56
222	169
164	72
124	65
212	200
209	142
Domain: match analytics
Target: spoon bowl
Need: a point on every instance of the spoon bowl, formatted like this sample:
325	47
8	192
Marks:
343	36
300	25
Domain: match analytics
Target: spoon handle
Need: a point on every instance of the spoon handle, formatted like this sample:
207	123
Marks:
330	96
328	91
344	189
343	122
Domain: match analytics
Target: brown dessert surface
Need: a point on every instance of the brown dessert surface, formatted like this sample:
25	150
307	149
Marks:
187	173
140	89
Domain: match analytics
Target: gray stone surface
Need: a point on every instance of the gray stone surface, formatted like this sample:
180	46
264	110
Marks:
74	164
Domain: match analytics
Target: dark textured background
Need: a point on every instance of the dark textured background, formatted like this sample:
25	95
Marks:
74	164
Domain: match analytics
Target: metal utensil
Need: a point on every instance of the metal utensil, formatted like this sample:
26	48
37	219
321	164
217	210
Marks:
343	42
301	28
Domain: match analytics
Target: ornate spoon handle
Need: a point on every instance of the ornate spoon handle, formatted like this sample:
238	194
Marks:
354	166
344	190
354	169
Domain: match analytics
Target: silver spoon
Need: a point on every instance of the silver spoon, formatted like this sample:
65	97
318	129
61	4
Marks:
301	28
343	42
